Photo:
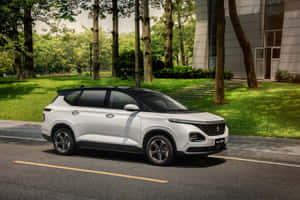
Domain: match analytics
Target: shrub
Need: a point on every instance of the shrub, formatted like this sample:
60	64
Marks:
283	76
189	72
297	78
125	64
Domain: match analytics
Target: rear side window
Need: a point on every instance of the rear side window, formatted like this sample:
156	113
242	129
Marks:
92	98
118	100
72	97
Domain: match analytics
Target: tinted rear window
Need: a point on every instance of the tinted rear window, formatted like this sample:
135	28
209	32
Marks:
72	97
92	98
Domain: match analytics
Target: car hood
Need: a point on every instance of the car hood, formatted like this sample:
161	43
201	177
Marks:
195	116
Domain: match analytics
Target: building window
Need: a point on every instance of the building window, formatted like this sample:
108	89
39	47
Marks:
274	13
212	31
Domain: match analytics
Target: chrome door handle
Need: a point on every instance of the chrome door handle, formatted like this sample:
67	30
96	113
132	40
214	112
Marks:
109	115
75	112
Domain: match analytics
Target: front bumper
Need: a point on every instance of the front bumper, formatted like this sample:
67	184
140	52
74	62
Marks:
206	150
208	146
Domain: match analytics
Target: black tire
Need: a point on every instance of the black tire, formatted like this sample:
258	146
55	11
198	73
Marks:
159	150
63	141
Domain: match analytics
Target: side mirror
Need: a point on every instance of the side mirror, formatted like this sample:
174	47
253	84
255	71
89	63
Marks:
131	107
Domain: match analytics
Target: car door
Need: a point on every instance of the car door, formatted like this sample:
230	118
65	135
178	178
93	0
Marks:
121	123
89	115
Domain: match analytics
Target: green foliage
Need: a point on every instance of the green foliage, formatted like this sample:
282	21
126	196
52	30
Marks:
7	58
125	64
189	72
157	38
285	76
126	42
69	52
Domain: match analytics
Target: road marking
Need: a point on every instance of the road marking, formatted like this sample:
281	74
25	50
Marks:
92	171
22	138
257	161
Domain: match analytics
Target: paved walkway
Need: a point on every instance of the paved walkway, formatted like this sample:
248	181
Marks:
202	90
250	147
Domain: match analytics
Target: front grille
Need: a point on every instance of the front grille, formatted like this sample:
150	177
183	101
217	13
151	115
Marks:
212	129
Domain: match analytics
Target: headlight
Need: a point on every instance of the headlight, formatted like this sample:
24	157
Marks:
196	137
181	121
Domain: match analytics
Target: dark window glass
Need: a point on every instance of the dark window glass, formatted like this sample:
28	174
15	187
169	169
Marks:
92	98
71	98
118	100
160	103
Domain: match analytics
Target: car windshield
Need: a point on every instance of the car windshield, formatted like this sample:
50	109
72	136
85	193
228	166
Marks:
158	102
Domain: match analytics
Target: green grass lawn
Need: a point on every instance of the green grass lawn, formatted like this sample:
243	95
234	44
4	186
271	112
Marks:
25	100
272	110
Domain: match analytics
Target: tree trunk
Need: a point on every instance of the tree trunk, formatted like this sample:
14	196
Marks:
219	85
19	72
168	34
115	35
137	44
28	67
18	64
180	29
96	58
147	52
245	45
177	58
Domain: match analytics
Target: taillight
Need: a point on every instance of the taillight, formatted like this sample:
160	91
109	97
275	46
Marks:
47	109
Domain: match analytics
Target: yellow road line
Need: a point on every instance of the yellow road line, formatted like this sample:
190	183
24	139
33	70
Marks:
91	171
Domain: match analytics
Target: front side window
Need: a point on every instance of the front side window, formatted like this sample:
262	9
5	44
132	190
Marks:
119	99
92	98
160	103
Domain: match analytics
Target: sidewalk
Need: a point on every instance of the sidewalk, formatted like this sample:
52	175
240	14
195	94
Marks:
251	147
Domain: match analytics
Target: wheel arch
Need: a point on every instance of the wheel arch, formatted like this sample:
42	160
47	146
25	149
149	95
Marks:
154	132
61	125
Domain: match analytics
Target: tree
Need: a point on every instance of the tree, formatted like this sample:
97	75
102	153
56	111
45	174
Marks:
28	20
180	28
115	35
10	22
147	53
124	8
137	44
168	34
96	58
219	85
245	45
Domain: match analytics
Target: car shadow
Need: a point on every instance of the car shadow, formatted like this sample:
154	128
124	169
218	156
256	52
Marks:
179	162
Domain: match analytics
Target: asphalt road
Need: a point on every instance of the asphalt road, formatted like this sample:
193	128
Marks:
31	170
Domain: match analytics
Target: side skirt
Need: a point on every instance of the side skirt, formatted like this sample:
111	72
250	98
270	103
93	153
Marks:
110	147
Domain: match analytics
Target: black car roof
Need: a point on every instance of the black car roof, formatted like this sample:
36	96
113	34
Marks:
118	88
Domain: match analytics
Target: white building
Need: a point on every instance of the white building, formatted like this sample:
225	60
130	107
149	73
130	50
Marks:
272	27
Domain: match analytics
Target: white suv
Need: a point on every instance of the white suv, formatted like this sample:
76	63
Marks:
130	119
